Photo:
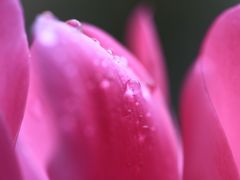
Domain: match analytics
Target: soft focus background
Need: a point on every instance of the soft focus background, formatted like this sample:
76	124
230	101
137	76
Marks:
181	24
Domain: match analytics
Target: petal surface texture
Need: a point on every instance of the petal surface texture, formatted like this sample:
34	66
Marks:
37	134
109	123
113	47
142	39
9	166
13	64
210	104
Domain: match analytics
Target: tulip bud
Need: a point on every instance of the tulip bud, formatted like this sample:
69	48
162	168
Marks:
108	121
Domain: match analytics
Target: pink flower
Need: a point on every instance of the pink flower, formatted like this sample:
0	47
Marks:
77	104
210	104
94	110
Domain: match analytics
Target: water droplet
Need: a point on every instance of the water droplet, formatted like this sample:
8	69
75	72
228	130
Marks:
132	88
137	103
48	14
117	59
96	41
146	93
129	110
122	61
137	122
105	84
75	24
145	126
141	116
148	114
141	138
109	51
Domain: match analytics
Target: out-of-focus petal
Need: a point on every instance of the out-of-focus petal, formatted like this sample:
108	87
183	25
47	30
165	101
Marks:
9	166
109	124
207	154
142	39
29	163
37	135
13	65
210	104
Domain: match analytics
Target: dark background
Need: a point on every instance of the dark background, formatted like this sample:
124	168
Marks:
182	24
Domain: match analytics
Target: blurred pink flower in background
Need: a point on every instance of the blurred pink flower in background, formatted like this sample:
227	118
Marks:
79	105
210	104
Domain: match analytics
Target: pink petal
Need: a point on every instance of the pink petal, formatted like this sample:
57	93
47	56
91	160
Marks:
13	65
142	39
109	124
114	47
36	138
9	165
210	104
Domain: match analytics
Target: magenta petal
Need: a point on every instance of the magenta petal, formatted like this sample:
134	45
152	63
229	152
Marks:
207	154
113	46
142	39
9	165
37	135
13	64
109	124
210	104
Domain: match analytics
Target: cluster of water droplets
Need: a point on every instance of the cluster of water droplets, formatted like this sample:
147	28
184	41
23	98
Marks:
134	88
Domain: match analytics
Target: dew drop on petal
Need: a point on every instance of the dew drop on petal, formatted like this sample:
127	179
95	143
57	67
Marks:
141	138
75	24
121	61
96	41
129	110
145	126
146	93
132	88
124	61
105	84
48	14
109	51
137	122
148	114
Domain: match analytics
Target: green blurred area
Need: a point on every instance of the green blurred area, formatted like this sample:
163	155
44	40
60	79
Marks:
182	24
